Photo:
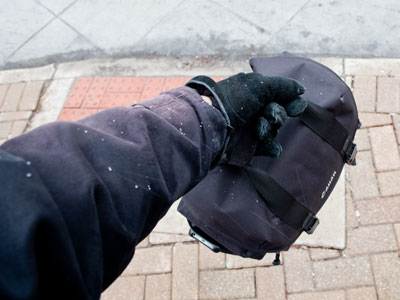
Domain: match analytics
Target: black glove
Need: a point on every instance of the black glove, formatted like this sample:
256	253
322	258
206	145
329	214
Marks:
253	98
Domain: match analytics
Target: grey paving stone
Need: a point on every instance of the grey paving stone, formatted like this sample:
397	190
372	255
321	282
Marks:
210	260
30	97
305	33
51	103
362	140
18	128
237	262
20	19
278	12
158	287
380	210
227	284
150	260
396	123
351	217
125	28
125	288
329	295
364	91
374	119
388	95
5	129
321	254
39	46
3	93
185	272
56	6
332	214
364	293
370	239
173	222
384	148
298	271
362	180
13	97
19	75
372	66
386	269
270	283
180	31
15	115
388	183
157	238
342	273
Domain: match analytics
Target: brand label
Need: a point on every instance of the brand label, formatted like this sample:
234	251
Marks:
328	185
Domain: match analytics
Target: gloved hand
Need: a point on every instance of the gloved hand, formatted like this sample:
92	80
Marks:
244	98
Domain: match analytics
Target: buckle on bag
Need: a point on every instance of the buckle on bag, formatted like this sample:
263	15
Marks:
350	154
310	223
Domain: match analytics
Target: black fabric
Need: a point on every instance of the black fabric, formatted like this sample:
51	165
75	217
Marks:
77	197
324	124
278	200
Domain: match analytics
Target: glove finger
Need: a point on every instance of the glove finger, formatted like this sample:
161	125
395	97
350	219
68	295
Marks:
275	114
296	107
273	118
264	130
282	90
268	148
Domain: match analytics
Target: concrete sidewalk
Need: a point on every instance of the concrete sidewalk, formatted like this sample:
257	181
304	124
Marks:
361	261
38	32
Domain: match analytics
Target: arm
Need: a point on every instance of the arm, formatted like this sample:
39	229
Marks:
97	188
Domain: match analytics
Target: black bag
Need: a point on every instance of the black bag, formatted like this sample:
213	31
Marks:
254	205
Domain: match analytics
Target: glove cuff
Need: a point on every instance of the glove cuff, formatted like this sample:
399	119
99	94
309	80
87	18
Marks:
205	86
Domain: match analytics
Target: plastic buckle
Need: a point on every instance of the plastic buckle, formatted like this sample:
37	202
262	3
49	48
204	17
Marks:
351	155
310	223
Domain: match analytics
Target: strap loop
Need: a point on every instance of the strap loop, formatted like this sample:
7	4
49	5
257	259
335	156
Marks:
325	125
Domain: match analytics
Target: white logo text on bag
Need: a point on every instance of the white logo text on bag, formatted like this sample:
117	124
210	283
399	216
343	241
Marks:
328	185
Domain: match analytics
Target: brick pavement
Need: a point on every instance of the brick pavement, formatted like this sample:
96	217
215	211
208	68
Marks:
168	265
17	102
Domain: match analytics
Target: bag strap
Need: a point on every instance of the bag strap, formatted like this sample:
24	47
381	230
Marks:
319	120
281	203
324	124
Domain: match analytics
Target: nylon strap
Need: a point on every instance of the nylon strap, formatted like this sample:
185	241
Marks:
280	202
324	124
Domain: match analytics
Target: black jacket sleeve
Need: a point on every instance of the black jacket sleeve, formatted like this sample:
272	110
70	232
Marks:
77	197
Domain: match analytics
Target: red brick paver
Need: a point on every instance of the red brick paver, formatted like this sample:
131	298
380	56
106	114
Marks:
90	95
